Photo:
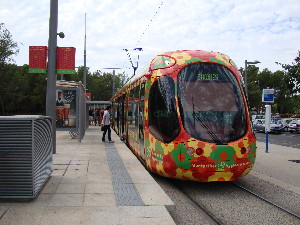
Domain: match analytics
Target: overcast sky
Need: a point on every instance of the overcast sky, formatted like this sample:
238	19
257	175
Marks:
264	30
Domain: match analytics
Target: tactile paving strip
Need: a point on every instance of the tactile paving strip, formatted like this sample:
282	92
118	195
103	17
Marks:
126	193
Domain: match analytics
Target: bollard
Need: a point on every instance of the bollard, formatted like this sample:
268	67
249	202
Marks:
267	142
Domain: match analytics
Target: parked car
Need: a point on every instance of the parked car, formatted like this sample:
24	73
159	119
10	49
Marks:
284	123
259	126
255	117
294	126
295	116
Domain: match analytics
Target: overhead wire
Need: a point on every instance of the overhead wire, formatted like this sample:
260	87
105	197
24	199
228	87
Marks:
142	35
155	14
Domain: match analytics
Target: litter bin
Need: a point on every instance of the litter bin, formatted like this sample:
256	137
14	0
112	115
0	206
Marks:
25	155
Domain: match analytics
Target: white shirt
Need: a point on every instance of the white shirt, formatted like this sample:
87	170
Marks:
106	118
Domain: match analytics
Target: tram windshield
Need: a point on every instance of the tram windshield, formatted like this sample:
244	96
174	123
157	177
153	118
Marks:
211	103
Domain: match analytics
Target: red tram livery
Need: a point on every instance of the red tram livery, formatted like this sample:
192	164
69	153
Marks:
186	117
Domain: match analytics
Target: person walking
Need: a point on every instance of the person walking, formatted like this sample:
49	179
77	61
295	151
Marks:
97	117
106	124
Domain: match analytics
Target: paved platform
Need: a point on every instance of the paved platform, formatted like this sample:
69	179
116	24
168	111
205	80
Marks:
92	183
279	166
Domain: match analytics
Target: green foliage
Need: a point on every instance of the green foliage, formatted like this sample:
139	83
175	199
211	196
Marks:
293	74
98	83
8	48
21	92
24	93
285	83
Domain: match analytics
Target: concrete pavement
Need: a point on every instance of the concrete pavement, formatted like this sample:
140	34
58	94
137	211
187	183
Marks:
92	183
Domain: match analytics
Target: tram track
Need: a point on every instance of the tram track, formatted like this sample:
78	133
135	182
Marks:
212	218
266	200
209	216
228	203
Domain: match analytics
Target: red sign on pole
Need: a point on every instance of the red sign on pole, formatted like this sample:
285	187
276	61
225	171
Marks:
37	59
65	61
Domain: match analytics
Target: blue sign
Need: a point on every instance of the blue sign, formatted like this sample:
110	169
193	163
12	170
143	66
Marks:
268	98
268	95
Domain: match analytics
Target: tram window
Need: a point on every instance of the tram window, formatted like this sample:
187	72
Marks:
141	111
114	114
211	104
117	115
163	120
133	108
122	113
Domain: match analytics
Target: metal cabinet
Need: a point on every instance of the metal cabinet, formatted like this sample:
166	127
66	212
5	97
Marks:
25	155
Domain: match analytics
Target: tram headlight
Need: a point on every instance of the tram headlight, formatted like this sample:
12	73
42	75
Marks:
190	151
249	149
199	151
243	150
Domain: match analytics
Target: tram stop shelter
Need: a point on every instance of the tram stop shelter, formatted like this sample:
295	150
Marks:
71	108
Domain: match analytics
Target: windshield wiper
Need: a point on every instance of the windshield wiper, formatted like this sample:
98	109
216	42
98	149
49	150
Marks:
208	130
194	112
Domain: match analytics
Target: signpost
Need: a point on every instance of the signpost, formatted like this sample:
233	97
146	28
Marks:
51	75
268	97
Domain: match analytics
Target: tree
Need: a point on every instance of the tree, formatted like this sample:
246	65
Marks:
253	88
293	74
22	92
8	48
286	85
98	83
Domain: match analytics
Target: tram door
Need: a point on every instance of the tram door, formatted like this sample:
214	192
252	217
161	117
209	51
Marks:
114	116
119	109
141	119
117	116
121	115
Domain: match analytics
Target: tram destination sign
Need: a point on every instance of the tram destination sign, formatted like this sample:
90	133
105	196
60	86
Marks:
208	76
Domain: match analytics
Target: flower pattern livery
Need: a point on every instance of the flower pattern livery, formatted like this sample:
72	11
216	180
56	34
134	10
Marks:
214	162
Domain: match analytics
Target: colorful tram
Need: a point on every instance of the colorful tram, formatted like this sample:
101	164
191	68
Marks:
186	117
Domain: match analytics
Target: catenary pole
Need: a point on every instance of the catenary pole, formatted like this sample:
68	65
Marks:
84	54
84	110
246	79
113	82
51	76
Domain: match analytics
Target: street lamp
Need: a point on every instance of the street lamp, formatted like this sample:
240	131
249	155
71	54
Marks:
51	75
113	78
61	34
246	78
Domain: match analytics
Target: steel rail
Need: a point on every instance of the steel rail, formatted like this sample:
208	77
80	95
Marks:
212	219
266	200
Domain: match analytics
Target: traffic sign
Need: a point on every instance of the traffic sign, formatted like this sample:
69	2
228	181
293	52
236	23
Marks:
268	95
